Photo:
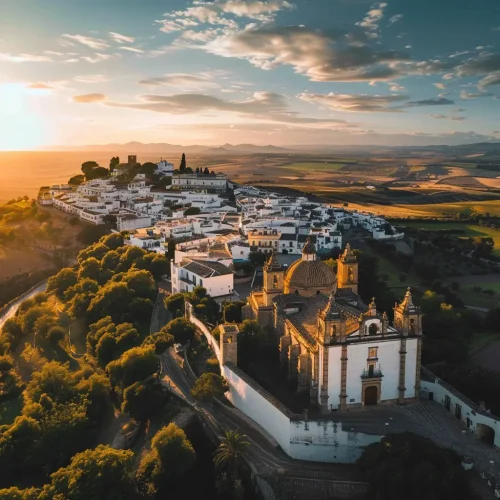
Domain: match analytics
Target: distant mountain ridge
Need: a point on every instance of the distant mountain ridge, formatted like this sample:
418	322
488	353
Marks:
231	149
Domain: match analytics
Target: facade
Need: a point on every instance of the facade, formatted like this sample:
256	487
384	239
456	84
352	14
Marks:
341	351
201	182
165	169
217	278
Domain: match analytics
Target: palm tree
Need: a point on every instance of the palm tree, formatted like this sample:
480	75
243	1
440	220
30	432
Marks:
232	450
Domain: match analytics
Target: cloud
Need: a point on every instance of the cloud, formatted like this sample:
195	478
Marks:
309	52
96	58
489	81
435	101
22	58
213	13
40	86
266	106
93	43
466	95
444	117
182	80
372	18
439	85
91	79
356	102
395	18
395	87
53	53
132	49
117	37
85	98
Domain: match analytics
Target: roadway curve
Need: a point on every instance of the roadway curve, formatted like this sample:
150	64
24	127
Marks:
11	311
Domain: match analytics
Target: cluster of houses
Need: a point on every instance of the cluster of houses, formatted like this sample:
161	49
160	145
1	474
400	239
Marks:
227	224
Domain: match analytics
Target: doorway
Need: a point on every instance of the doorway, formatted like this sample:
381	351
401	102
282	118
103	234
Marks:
371	395
485	433
447	402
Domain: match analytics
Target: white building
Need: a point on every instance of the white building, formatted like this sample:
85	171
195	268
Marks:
130	221
217	278
201	182
165	169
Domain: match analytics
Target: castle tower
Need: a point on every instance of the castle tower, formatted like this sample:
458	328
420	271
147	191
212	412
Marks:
347	270
274	274
229	343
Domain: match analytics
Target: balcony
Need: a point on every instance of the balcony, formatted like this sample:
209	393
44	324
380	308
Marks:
372	373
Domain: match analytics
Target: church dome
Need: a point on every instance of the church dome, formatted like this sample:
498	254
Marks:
309	275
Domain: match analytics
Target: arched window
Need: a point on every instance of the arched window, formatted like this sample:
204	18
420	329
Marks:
318	292
275	281
373	329
296	292
412	326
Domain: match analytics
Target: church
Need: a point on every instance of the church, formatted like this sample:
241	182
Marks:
344	353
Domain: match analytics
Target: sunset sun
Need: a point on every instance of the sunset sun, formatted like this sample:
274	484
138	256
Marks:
20	126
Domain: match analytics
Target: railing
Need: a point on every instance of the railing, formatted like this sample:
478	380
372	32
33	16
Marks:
377	373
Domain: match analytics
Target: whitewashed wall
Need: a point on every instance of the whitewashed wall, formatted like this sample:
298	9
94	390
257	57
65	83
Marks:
326	441
411	367
440	392
334	374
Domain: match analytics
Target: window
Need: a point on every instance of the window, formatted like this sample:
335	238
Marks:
373	329
372	353
371	369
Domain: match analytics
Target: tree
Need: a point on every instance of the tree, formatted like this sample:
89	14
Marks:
142	400
148	168
113	163
232	451
175	304
113	241
409	466
15	493
257	258
161	341
101	473
209	385
181	330
133	366
56	334
63	280
182	166
232	312
76	180
206	171
88	166
171	456
192	211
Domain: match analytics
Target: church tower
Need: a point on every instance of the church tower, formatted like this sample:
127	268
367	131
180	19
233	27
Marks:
274	275
408	317
347	270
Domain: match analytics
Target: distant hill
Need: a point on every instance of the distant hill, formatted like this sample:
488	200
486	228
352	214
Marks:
139	147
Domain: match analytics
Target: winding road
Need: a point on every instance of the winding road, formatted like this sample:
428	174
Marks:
11	311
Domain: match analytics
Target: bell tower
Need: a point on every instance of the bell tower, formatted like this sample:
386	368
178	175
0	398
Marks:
331	323
408	317
347	270
274	275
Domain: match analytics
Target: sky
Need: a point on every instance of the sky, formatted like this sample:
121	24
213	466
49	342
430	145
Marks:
283	72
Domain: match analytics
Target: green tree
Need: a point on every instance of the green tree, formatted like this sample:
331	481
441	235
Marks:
232	312
232	451
88	167
175	304
101	473
171	456
113	163
209	385
182	330
56	334
112	241
412	467
63	280
182	166
148	168
17	494
161	341
192	211
76	180
142	400
134	365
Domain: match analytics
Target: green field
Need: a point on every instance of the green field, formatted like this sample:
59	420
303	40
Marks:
308	167
469	231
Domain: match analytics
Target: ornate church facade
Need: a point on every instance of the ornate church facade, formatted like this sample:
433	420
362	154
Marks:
344	353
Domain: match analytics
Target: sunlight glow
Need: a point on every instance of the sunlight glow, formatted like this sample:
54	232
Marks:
20	125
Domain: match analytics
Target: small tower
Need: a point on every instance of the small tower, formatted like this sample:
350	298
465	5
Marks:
229	344
309	250
347	270
331	323
274	274
408	316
